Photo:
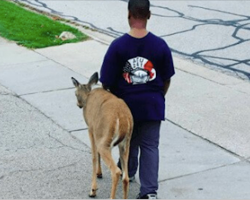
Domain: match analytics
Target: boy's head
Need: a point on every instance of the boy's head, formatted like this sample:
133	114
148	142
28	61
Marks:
139	9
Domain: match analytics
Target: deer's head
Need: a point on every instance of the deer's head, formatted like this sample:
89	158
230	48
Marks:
82	90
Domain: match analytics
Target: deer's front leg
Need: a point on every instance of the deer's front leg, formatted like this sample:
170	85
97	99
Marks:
94	164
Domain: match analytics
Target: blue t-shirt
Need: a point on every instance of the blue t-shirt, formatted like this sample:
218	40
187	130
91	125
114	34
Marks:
135	70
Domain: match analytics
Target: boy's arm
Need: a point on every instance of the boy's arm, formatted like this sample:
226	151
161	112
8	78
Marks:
109	69
168	68
166	86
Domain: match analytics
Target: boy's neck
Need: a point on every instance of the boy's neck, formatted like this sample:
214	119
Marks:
138	27
138	32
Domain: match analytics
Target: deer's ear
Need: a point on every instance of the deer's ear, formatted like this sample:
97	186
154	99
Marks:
75	82
93	79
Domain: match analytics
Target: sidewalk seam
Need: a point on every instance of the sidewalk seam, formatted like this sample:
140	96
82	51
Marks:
46	91
38	61
207	170
54	122
211	142
58	63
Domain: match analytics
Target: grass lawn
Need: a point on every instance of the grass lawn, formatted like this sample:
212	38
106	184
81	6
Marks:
30	29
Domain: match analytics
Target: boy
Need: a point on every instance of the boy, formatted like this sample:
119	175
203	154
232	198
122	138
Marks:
137	68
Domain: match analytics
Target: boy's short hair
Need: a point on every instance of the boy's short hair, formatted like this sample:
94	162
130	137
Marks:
139	9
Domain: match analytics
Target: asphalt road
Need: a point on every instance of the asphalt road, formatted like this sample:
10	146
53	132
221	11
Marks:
213	33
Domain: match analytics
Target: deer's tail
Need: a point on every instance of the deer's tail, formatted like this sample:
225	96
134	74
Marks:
121	130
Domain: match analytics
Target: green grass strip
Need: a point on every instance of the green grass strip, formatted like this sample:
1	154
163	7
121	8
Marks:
32	30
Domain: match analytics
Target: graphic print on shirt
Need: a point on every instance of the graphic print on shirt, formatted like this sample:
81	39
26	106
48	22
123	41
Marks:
139	70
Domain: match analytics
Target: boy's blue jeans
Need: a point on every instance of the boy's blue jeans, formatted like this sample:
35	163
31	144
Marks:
145	138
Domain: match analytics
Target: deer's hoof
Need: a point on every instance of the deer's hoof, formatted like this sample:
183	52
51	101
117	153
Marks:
92	193
99	175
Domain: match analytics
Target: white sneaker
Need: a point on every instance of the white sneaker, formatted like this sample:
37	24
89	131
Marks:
147	196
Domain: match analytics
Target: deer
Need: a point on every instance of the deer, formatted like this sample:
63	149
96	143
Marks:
110	124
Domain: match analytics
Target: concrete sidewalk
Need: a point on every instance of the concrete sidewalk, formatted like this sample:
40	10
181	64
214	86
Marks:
204	147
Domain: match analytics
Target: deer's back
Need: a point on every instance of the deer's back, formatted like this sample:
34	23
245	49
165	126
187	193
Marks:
104	108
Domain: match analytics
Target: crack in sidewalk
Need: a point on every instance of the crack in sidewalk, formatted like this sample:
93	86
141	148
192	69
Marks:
39	169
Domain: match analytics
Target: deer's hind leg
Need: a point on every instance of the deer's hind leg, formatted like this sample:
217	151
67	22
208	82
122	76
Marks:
124	154
106	155
99	167
94	165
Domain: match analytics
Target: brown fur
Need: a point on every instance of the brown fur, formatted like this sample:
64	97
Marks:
110	123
